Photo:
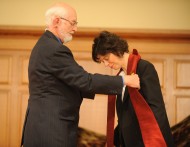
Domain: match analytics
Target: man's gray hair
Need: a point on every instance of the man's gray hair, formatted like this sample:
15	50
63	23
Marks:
53	12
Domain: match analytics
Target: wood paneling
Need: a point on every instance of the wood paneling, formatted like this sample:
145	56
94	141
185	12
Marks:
168	50
182	107
182	73
4	117
5	74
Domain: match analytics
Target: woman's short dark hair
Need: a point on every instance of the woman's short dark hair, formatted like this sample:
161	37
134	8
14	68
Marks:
106	43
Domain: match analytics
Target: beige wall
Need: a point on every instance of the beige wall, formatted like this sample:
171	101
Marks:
146	14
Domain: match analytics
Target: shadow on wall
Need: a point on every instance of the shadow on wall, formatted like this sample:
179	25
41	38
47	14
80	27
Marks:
180	131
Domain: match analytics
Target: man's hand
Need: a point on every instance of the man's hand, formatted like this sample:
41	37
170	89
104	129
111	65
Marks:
132	81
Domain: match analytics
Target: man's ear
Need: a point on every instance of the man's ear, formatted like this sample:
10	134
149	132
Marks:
56	21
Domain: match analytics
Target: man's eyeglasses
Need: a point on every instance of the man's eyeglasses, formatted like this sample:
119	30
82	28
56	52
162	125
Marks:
74	23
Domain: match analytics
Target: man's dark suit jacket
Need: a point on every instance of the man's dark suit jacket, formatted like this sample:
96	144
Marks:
57	85
128	130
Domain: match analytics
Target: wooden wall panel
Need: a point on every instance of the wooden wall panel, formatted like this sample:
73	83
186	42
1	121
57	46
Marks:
24	70
93	114
4	117
23	102
5	73
159	66
182	107
182	73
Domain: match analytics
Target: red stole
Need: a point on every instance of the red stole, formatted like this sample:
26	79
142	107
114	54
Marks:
151	134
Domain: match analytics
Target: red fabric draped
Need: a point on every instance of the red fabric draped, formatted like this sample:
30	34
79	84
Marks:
151	134
110	120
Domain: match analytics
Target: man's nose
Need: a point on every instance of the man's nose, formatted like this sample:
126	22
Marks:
75	28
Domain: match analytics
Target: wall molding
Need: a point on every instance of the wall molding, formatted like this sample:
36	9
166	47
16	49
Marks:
164	40
91	32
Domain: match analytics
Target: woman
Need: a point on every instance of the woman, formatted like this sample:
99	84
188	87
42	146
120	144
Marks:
112	51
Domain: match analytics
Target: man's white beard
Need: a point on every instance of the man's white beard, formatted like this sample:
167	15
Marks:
67	38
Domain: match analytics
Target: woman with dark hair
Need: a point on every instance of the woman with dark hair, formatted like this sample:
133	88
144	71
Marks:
111	50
